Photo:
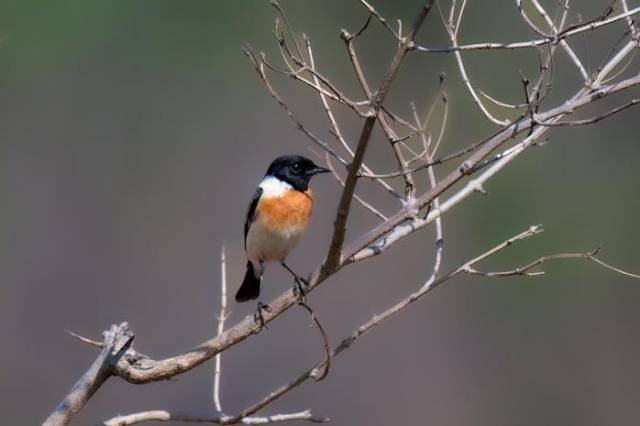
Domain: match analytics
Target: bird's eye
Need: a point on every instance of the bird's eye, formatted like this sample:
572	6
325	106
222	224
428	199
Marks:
296	167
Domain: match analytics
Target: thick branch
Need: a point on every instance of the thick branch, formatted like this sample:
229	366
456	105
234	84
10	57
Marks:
116	341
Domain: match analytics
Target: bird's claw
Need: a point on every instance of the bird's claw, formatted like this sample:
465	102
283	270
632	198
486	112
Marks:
259	318
300	289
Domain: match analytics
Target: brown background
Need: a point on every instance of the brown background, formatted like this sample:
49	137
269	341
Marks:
134	133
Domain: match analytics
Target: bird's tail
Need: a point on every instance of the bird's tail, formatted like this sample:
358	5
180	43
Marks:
250	288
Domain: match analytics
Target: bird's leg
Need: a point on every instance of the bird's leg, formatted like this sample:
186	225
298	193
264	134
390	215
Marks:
299	288
257	316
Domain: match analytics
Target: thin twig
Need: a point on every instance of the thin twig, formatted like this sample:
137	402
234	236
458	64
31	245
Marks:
259	67
593	120
524	270
222	316
365	204
86	340
563	43
380	18
318	376
452	31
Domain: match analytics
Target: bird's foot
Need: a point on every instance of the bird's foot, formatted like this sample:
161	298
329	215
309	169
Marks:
300	289
300	285
259	318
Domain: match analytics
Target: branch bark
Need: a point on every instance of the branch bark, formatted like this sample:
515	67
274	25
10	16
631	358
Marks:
117	340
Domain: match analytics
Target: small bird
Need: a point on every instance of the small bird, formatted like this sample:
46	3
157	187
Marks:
277	218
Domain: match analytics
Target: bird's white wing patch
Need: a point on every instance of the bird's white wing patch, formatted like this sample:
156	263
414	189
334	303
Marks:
274	187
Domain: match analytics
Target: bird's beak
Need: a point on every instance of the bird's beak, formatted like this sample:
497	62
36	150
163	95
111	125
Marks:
318	170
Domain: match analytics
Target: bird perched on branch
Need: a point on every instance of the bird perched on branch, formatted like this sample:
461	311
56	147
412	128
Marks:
277	218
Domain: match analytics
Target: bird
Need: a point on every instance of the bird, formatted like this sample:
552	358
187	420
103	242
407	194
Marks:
277	218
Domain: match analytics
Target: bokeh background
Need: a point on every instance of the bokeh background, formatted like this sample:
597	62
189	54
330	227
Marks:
133	135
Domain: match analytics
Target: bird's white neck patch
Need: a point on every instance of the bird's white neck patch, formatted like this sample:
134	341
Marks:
274	187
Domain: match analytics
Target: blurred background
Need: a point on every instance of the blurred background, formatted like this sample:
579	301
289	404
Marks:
133	135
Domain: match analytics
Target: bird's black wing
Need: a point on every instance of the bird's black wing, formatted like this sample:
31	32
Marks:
251	214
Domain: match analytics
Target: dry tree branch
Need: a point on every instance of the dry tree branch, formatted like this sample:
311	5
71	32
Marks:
428	157
554	33
524	270
362	80
380	18
222	316
325	340
220	417
431	284
531	43
593	120
116	341
632	25
167	416
453	31
584	97
317	79
259	67
338	134
117	357
137	368
333	259
359	199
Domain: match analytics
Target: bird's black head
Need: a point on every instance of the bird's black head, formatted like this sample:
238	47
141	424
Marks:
296	170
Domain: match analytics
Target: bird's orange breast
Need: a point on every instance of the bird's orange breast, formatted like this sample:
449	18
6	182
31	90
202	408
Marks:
289	212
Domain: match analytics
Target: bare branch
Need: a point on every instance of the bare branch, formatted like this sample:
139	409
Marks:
138	368
318	376
388	131
452	31
563	43
276	5
333	259
500	103
613	268
613	63
167	416
259	67
532	43
222	316
348	40
359	199
632	25
116	341
119	358
524	270
377	319
334	124
380	18
582	98
592	120
86	340
439	243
